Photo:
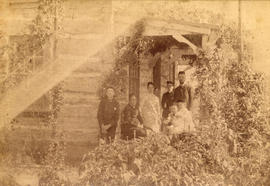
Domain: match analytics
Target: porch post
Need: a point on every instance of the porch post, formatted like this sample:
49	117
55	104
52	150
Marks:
204	41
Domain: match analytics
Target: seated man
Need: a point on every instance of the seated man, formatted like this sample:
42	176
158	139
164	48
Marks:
131	125
180	119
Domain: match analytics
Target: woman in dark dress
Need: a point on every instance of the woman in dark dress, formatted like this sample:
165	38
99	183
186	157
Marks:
131	124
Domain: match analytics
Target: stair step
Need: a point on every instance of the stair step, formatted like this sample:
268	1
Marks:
79	98
87	9
94	65
78	124
77	47
63	123
82	84
78	111
95	74
26	133
28	91
40	105
89	25
30	122
90	136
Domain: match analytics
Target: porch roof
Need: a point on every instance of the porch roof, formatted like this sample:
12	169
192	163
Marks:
182	27
159	26
176	28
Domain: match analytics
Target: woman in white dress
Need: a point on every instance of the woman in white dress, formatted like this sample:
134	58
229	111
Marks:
151	110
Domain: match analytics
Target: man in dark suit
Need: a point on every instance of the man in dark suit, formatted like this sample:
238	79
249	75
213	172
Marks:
167	99
108	115
183	91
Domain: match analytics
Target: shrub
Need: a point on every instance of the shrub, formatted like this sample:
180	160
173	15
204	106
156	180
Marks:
54	166
151	161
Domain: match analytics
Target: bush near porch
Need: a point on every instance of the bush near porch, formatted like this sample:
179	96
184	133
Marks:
232	144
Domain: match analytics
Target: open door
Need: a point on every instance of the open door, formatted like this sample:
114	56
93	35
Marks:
157	77
134	80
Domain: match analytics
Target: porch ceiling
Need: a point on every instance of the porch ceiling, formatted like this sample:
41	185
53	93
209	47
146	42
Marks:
157	26
175	28
163	26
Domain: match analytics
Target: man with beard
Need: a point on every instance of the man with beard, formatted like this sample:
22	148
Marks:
183	91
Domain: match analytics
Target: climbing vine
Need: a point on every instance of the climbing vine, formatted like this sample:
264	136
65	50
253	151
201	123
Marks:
130	50
46	25
127	51
25	52
231	94
233	128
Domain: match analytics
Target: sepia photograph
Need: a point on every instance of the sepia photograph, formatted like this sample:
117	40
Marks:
134	93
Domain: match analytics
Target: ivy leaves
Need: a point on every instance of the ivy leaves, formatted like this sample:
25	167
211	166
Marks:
152	161
232	95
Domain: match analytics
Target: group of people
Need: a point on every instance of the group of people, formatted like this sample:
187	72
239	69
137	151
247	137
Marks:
136	121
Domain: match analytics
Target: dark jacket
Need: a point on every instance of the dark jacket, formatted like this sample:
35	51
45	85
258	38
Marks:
184	92
131	117
108	112
167	101
130	113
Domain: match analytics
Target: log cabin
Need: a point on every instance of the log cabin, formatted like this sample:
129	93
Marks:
78	57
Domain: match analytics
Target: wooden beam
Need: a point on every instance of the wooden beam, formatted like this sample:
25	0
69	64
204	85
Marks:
151	30
174	21
161	28
174	26
126	18
175	34
180	38
210	40
204	41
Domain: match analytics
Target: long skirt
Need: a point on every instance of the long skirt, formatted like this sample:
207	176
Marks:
131	132
152	122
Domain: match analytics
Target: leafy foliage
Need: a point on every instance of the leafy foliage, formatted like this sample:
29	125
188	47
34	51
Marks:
25	51
131	51
231	94
127	51
150	161
233	128
54	164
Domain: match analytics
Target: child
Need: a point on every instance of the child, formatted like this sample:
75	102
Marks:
182	120
135	121
171	116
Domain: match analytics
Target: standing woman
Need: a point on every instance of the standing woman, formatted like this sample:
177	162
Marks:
108	115
151	109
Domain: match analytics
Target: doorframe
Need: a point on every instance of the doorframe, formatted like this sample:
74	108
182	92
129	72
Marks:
132	68
157	76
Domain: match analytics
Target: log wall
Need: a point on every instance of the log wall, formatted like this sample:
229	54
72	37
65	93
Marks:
83	23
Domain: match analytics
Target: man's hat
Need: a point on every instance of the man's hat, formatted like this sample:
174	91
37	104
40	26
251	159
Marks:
170	83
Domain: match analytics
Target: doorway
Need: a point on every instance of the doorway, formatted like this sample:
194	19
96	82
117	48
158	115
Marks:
157	77
134	80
